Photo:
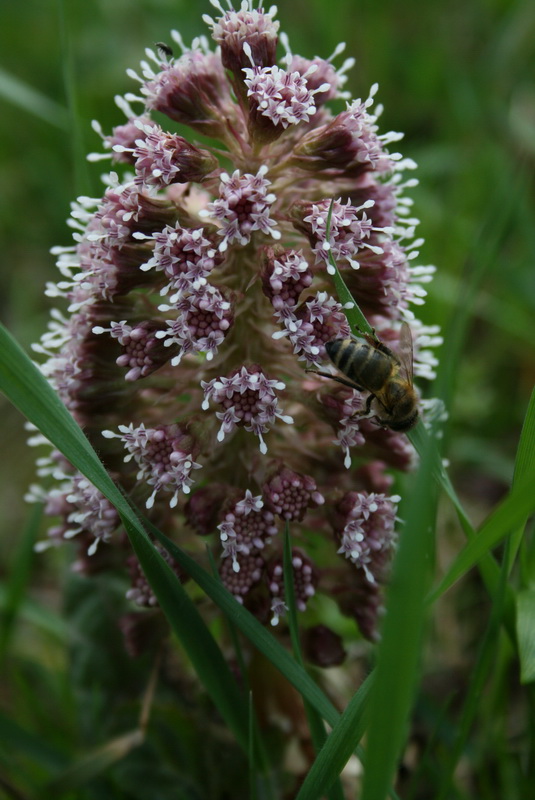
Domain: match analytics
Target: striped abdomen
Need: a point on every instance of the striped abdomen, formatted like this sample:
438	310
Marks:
361	363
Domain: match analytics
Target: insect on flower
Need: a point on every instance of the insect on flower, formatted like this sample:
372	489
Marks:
165	49
372	367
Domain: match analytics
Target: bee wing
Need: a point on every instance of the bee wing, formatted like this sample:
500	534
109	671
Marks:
405	352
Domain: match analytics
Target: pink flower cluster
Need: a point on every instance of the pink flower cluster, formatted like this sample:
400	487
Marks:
199	299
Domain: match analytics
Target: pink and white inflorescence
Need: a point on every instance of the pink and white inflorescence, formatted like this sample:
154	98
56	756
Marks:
199	299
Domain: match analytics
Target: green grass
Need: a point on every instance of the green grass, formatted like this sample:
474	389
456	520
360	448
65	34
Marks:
450	694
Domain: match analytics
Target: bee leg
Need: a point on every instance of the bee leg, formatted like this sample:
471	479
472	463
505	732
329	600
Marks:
335	378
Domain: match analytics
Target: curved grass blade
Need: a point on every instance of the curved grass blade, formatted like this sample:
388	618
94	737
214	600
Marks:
356	319
251	628
525	629
508	515
315	723
18	579
22	382
524	468
486	659
340	745
27	389
421	441
16	91
399	649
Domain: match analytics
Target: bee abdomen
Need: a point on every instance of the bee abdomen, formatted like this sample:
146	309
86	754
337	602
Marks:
361	363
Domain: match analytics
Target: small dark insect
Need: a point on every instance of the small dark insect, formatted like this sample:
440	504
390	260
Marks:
371	366
165	49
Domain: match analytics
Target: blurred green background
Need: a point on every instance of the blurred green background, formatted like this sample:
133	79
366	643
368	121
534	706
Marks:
457	78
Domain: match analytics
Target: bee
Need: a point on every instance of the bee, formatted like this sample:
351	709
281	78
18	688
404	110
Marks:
371	366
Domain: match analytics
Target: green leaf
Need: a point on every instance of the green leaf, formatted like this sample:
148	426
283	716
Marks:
525	454
315	723
356	319
18	578
26	387
509	517
399	649
29	391
524	470
339	747
510	513
251	628
421	441
525	629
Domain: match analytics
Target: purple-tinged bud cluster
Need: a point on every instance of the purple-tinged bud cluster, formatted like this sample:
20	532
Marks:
277	98
234	29
363	601
251	570
243	206
143	352
203	319
185	256
163	158
84	511
163	455
247	528
199	300
285	275
317	320
365	529
248	398
289	494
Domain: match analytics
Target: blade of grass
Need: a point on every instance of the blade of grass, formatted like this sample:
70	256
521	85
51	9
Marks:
525	626
33	102
82	181
490	571
27	389
22	382
510	513
356	319
340	745
251	753
509	517
36	614
261	756
28	745
251	628
524	468
18	579
315	723
525	600
479	675
399	649
421	441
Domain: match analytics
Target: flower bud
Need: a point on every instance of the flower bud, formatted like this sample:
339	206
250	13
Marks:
248	26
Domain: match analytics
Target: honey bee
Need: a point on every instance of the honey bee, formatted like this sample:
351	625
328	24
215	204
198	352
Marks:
371	366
